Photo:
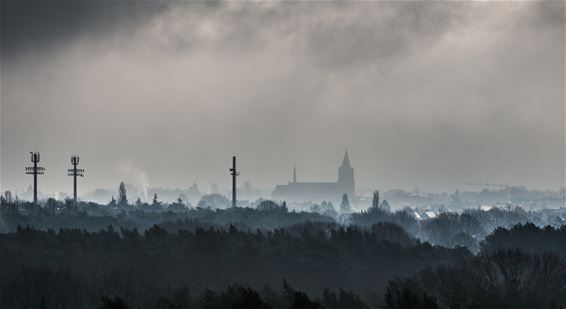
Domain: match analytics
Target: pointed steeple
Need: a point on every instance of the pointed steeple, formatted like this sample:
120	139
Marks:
346	160
294	173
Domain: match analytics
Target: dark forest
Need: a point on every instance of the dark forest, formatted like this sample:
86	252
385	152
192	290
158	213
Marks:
66	255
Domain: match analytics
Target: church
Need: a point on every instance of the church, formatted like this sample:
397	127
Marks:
296	191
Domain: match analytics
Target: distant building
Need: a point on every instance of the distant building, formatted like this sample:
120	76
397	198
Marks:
319	191
421	214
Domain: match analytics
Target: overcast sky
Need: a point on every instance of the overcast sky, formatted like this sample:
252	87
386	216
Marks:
424	95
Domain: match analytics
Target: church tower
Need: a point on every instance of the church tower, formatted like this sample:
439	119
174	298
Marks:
346	177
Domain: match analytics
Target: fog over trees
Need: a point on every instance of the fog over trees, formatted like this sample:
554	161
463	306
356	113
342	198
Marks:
167	255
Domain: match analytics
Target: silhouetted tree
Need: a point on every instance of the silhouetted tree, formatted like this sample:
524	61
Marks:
112	202
408	294
267	205
242	298
213	200
387	231
297	299
345	204
122	197
345	299
501	279
528	237
8	196
178	299
155	202
302	301
178	206
40	286
375	200
51	205
113	303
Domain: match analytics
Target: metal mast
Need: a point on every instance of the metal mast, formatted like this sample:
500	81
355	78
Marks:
34	170
234	172
75	172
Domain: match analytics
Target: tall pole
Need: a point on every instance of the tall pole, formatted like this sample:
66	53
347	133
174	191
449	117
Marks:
234	172
74	172
234	181
35	180
75	183
75	162
34	170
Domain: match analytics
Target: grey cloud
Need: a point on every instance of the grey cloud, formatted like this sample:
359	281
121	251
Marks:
36	26
421	93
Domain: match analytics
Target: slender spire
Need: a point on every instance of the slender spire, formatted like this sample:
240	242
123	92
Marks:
346	160
294	173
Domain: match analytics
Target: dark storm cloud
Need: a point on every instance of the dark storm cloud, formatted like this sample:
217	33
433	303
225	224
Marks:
42	25
342	35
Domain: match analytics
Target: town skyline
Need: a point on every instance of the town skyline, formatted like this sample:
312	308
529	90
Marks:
289	191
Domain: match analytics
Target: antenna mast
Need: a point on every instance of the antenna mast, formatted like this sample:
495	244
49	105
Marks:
34	170
74	172
234	172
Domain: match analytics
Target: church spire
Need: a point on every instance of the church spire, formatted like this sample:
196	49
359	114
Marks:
346	160
294	173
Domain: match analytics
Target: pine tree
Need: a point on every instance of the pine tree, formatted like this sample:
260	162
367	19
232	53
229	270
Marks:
345	204
375	200
122	197
155	201
8	196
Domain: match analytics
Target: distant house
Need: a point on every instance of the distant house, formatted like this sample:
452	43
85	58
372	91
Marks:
421	214
430	214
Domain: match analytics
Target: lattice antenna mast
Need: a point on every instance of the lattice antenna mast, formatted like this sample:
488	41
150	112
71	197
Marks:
34	170
74	172
234	172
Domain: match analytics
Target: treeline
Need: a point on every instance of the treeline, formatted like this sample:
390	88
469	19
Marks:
144	266
520	267
93	217
447	229
499	279
56	288
328	266
529	237
452	229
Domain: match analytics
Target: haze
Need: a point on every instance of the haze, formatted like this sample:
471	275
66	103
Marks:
421	94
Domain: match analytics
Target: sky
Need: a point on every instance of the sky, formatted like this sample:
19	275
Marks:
421	94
